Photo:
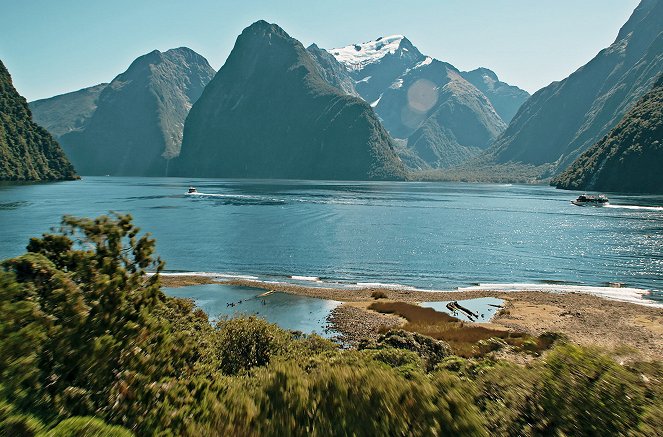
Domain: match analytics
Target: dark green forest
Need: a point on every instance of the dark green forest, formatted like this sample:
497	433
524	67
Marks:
27	151
90	345
629	158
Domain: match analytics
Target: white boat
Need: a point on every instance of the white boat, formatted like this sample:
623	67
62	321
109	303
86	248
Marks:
589	200
192	190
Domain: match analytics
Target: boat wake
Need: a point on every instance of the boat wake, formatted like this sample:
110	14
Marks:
635	207
237	199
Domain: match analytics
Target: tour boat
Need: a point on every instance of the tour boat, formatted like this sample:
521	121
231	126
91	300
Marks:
588	200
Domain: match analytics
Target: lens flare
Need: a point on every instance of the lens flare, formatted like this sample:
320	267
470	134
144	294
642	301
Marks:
422	95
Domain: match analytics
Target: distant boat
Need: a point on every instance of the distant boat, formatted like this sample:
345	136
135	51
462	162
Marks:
192	190
589	200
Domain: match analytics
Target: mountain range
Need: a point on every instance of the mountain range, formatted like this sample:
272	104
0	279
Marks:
437	116
629	158
132	126
27	151
374	110
441	115
564	119
272	111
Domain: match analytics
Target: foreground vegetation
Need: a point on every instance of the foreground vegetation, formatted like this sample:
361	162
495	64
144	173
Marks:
89	345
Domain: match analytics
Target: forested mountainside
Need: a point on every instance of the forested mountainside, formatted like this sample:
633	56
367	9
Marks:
628	159
27	151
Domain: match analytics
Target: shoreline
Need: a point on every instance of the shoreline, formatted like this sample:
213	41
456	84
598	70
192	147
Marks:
628	330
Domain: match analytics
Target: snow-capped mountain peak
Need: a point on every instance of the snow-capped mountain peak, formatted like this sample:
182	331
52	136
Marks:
357	56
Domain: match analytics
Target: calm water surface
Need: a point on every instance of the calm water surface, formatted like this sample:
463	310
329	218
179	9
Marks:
298	313
427	235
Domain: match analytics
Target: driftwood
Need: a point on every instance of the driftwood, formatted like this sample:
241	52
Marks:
455	306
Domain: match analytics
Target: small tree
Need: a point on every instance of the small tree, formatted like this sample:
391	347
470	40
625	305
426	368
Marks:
78	301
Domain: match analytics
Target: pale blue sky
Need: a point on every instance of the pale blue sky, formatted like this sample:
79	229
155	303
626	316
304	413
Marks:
57	46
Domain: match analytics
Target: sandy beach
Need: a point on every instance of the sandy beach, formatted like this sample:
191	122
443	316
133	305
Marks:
628	331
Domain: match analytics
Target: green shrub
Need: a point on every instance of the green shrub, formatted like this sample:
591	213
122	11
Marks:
431	350
20	425
575	391
247	342
583	392
86	427
338	399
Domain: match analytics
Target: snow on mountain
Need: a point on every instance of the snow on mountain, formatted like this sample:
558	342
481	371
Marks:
357	56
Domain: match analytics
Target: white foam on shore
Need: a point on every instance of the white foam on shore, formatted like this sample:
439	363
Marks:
625	294
386	286
213	275
305	278
621	294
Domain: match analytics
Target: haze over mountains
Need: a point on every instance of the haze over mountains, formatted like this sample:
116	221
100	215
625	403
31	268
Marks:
27	151
564	119
270	113
136	127
67	112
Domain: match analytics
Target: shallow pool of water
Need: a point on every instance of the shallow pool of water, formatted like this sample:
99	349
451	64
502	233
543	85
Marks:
297	313
484	307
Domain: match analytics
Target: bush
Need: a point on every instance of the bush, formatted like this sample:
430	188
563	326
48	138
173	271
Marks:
247	342
583	392
86	427
378	295
338	399
431	350
397	357
20	425
575	391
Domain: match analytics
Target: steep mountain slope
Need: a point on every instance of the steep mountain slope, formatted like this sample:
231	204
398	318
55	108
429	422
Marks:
268	113
27	151
565	118
137	126
461	124
67	112
505	98
441	117
629	158
332	71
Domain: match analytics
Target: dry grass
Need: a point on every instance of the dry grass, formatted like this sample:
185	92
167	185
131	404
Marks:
175	281
462	337
378	295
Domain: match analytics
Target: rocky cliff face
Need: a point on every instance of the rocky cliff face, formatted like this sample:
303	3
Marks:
137	126
564	119
268	113
629	158
27	151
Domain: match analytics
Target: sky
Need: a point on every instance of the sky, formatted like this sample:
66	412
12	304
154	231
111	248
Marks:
56	46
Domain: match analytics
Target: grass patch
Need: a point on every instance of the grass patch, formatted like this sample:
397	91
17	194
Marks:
462	337
379	295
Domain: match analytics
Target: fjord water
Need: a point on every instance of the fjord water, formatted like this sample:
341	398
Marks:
426	235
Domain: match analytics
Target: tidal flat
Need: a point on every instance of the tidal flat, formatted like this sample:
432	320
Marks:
628	330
